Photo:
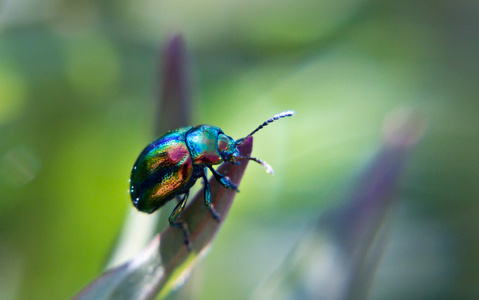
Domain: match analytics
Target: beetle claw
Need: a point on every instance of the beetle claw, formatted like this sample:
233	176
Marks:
214	214
186	234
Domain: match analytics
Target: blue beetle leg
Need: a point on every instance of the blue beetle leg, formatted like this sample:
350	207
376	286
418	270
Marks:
208	198
182	225
225	181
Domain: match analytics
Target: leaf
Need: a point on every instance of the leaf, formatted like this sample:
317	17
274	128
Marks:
174	97
166	263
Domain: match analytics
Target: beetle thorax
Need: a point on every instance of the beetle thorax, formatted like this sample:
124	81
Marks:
202	142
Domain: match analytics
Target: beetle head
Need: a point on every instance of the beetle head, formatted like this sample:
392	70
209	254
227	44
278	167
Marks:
227	148
230	153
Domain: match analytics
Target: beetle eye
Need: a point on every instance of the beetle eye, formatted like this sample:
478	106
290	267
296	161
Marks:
225	144
222	145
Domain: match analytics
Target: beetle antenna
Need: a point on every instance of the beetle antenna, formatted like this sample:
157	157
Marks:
288	113
268	168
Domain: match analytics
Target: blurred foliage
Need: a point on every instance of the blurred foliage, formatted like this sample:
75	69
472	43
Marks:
77	80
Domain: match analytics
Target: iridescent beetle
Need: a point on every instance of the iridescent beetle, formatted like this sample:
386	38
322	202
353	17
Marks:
170	166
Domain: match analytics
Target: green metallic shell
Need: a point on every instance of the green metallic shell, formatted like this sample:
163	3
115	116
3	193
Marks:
163	170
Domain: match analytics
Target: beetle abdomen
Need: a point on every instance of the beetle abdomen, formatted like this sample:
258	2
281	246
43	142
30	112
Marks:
161	171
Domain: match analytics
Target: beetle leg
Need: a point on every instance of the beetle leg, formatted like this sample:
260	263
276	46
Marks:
208	198
182	225
225	181
178	198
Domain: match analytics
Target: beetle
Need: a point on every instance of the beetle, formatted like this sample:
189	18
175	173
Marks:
169	166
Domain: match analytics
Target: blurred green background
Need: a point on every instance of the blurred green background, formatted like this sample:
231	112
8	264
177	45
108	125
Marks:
78	81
